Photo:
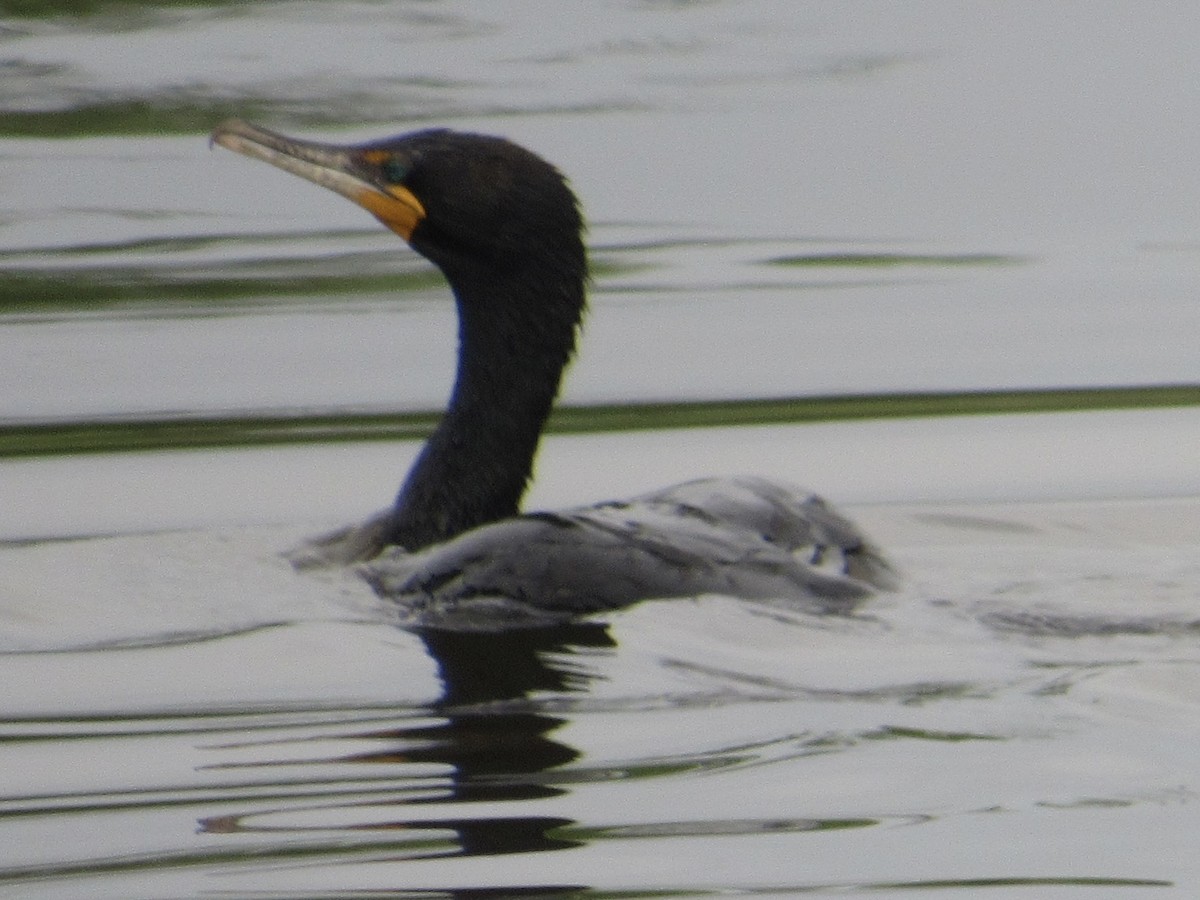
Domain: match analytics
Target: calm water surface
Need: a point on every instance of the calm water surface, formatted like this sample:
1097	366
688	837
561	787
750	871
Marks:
787	200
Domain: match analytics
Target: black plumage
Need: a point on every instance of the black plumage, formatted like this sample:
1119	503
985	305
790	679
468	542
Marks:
505	229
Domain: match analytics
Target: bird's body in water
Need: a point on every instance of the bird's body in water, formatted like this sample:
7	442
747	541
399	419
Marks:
506	231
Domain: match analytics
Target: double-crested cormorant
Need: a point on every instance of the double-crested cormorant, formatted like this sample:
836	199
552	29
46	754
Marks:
506	231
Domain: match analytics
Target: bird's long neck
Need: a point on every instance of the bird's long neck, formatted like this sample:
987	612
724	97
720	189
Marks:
516	335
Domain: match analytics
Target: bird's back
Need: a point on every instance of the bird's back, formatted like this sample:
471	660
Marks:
742	537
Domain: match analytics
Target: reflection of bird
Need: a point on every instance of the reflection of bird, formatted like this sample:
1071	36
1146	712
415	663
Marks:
505	229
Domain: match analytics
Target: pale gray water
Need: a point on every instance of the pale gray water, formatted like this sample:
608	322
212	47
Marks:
786	199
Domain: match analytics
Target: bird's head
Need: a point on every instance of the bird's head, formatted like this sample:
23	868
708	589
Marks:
465	201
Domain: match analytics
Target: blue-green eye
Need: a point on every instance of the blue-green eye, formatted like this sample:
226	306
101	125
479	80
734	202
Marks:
395	170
